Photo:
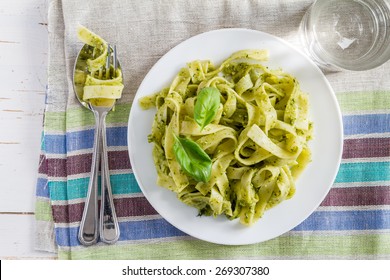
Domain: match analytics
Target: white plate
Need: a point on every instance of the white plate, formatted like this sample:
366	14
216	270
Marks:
312	186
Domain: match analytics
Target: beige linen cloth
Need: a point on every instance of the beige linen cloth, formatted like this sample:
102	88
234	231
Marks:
352	222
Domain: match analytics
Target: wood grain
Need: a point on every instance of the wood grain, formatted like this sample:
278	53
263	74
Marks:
23	66
17	240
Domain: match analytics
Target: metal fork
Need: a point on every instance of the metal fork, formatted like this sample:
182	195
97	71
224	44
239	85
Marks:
108	226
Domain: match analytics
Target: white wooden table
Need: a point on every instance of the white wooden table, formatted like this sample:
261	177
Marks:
23	67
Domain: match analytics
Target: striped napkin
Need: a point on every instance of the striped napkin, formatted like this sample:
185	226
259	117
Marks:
353	222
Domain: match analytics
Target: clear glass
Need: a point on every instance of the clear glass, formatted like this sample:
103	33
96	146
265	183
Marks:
347	34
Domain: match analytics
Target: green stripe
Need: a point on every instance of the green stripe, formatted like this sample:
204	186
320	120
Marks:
43	210
363	101
77	188
79	117
363	172
54	121
303	247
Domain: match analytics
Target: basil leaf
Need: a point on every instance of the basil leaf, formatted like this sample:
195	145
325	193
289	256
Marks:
192	159
206	106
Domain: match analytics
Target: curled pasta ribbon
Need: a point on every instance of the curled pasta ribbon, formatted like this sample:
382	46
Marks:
257	142
100	86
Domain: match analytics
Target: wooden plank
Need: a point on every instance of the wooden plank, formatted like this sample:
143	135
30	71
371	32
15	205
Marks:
17	239
23	64
18	172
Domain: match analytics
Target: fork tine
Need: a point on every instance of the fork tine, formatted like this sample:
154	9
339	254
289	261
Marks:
108	56
108	61
115	61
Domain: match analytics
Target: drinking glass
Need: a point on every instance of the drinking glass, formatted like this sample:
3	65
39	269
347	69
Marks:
347	34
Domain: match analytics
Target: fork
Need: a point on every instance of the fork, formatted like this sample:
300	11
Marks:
108	224
109	228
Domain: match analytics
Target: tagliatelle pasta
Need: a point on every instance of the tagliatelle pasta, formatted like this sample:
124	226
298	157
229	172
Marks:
93	82
257	141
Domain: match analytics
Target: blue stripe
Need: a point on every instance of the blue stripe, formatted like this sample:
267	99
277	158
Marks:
55	144
117	136
318	221
366	124
346	220
133	230
79	140
42	188
363	172
77	188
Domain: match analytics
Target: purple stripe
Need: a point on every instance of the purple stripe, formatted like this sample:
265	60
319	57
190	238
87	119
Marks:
139	206
118	160
358	196
125	207
366	148
78	164
42	169
56	167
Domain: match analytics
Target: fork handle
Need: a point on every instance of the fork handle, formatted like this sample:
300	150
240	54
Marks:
109	227
88	232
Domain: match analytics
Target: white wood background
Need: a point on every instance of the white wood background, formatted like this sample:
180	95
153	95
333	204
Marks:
23	67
